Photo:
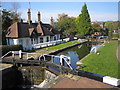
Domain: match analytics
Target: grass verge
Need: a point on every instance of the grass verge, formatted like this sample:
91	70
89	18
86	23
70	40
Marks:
105	63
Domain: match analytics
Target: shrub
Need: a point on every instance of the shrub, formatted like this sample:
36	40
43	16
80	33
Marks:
7	48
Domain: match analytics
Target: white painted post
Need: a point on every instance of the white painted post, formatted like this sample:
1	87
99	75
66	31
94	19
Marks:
27	56
52	58
13	55
61	57
20	54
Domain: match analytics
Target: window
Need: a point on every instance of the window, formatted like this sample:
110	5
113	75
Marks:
41	40
54	37
58	37
32	40
47	39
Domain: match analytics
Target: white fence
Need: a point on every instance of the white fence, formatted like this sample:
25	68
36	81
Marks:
51	43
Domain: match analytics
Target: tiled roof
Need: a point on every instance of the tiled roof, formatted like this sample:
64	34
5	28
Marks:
12	31
30	31
20	30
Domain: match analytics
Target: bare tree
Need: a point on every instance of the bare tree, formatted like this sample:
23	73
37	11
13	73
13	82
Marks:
15	7
16	14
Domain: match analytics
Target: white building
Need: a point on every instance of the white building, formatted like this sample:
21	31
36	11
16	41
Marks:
32	35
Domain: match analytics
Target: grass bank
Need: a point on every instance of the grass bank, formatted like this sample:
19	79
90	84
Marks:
105	63
59	46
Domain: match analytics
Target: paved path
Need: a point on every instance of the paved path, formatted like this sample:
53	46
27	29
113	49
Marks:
81	83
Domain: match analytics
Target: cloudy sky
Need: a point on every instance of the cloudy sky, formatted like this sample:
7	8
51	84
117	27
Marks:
99	11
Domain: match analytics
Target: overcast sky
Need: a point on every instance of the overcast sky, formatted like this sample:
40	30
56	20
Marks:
99	11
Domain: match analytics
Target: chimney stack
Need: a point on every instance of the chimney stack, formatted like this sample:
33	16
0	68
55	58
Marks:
29	16
51	21
39	17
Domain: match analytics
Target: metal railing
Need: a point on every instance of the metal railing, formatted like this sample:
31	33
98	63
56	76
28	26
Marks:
61	58
6	54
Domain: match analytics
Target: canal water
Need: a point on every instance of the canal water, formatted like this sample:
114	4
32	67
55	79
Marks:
75	53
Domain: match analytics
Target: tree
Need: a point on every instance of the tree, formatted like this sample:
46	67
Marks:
66	25
83	22
9	17
6	22
109	26
6	19
61	23
96	27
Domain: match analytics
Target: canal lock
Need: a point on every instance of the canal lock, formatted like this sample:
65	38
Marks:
26	77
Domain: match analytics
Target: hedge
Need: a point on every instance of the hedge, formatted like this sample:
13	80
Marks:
7	48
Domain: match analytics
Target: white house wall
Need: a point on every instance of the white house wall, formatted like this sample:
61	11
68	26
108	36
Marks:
58	36
44	39
26	43
12	41
16	41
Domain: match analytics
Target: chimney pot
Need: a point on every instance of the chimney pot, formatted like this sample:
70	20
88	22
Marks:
39	17
29	16
29	10
38	12
51	21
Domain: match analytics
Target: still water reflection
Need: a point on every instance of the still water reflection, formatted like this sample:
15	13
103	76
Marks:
75	53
